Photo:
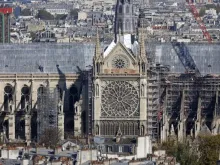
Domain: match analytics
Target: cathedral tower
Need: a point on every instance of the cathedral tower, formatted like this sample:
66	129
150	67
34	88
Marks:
124	17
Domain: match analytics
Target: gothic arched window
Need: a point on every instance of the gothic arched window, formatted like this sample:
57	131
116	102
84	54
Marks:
97	89
120	9
143	67
73	97
127	24
8	91
97	67
25	91
127	9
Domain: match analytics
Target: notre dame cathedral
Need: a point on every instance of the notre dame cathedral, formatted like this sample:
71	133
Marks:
130	87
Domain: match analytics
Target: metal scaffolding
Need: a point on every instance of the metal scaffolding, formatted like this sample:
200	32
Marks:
47	114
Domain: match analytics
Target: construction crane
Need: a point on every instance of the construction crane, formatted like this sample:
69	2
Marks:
199	20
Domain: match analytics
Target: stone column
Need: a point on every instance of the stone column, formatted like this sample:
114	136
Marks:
11	126
28	127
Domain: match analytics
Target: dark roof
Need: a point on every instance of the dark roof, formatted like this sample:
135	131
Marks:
26	58
121	141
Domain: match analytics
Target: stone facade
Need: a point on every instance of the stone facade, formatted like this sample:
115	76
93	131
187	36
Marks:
19	106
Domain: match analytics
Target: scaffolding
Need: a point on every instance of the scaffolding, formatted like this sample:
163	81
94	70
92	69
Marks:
47	114
155	90
183	92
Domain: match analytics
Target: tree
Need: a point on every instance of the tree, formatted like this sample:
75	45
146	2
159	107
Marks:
26	12
44	15
185	154
209	147
51	137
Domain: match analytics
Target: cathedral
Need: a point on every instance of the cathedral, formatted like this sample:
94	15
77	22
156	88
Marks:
130	88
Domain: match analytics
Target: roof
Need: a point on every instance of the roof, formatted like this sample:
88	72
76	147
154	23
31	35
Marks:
206	56
26	58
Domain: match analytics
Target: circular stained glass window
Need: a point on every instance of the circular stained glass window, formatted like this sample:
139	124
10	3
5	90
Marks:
119	99
120	62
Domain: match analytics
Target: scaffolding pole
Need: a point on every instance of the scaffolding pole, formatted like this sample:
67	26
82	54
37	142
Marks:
47	114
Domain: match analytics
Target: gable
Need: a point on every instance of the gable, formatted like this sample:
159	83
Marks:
120	60
120	48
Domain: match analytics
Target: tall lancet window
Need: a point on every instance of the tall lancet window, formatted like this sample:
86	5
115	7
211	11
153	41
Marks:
143	67
73	97
127	9
25	91
8	92
120	9
97	89
97	67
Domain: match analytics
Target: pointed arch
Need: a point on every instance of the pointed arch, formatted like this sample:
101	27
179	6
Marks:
127	9
8	92
120	9
143	67
97	89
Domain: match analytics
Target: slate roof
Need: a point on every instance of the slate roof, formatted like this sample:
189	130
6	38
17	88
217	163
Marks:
26	58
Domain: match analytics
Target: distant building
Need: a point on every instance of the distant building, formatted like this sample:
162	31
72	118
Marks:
45	36
5	24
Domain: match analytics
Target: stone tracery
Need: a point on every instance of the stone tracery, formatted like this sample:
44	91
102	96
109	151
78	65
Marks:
120	99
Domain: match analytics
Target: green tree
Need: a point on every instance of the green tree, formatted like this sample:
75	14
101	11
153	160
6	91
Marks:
185	154
209	148
26	12
44	15
51	137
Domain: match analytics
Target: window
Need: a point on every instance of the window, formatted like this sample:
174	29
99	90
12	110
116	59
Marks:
120	9
120	148
109	148
127	9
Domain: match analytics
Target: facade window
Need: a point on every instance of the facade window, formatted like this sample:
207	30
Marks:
8	92
25	91
120	148
73	97
97	67
127	9
109	148
97	90
120	9
143	67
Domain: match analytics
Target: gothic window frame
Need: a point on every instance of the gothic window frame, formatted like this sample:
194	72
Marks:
127	24
25	96
120	62
120	10
143	67
120	104
127	9
8	96
73	96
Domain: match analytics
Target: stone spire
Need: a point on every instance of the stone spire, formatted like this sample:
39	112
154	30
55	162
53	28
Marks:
97	45
142	44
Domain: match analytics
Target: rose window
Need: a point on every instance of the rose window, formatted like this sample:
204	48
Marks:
120	62
120	99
